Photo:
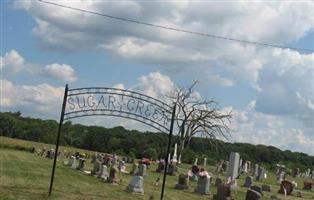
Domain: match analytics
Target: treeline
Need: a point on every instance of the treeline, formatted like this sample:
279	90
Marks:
134	143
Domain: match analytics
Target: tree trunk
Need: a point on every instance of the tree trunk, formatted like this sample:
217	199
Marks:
181	147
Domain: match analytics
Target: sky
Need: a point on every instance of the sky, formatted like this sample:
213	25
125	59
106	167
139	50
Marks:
269	90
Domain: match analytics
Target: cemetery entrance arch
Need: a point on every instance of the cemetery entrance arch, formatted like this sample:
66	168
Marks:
93	101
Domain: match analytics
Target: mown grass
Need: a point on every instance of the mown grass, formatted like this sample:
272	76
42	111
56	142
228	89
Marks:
24	175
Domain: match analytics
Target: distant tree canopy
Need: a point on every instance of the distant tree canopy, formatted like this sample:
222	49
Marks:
137	144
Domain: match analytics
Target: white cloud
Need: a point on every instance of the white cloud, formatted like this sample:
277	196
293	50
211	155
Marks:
35	100
11	62
217	79
155	85
251	126
61	72
287	85
178	52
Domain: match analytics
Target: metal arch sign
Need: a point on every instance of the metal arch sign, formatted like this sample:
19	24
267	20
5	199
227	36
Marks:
119	103
93	101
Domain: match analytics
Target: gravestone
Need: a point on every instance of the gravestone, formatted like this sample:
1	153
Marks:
252	195
114	160
266	188
193	177
256	170
223	192
74	163
174	157
81	164
281	177
240	165
308	184
113	175
277	169
249	166
161	166
286	187
234	160
248	181
261	174
219	166
104	173
136	186
172	169
183	182
257	189
96	166
121	166
142	170
245	167
205	162
203	185
195	161
108	160
299	194
295	172
308	172
193	173
71	161
218	182
225	166
134	168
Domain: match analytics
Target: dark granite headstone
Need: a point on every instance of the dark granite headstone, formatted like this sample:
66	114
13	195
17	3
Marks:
286	187
223	192
257	189
266	188
161	167
248	182
113	175
218	182
252	195
183	182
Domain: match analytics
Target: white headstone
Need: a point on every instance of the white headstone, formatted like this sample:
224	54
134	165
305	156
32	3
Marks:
256	170
136	185
234	160
245	167
205	162
195	161
179	160
74	163
174	157
104	173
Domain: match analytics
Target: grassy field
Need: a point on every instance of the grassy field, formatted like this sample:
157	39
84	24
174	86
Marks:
24	175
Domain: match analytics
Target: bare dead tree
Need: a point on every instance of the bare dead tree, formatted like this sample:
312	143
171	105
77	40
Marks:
196	116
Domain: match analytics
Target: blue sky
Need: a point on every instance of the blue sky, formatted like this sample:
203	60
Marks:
270	90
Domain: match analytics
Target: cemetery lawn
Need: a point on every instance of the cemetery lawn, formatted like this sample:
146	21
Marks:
24	175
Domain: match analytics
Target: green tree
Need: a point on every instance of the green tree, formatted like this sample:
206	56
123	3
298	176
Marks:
151	153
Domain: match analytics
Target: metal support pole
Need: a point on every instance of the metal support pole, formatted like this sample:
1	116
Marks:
58	137
168	150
